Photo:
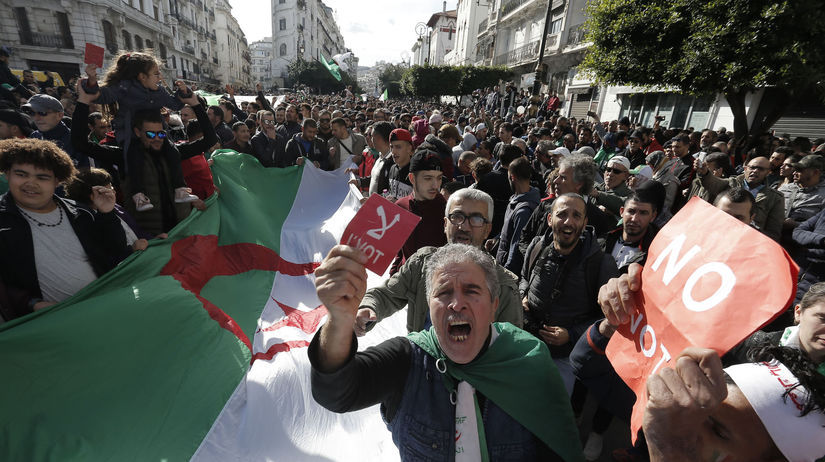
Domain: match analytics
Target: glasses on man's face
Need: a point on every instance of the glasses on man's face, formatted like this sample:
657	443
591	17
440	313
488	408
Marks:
152	134
268	122
41	113
476	220
324	121
614	171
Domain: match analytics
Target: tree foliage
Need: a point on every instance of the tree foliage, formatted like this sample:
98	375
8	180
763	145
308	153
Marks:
390	78
431	81
710	46
478	77
313	74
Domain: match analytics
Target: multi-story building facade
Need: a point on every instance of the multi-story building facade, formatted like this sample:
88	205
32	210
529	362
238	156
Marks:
469	16
52	34
262	55
233	59
511	36
442	35
306	29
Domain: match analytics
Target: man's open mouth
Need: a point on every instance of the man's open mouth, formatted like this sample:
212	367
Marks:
459	330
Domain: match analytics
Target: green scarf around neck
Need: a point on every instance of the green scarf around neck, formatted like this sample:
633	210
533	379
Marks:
519	376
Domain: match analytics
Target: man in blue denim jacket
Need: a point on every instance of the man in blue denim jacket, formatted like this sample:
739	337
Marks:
467	389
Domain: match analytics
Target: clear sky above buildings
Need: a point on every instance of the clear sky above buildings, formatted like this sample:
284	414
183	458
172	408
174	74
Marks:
375	30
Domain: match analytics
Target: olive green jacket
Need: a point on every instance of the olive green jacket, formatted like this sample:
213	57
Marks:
407	287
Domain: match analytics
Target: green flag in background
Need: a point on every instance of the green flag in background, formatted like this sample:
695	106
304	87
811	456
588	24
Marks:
331	67
384	96
211	98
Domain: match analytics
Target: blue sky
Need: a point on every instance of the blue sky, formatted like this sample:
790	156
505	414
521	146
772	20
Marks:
374	29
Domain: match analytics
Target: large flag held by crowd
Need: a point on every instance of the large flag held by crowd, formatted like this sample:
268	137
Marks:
196	347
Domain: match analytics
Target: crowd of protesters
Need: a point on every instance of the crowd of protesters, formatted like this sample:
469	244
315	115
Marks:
565	207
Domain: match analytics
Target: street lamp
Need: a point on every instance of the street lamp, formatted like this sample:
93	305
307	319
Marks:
422	30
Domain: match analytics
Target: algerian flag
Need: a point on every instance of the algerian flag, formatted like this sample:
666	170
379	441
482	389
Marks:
195	347
211	98
331	67
363	97
341	60
384	96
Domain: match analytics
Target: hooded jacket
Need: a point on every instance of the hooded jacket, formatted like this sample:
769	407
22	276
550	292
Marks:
518	212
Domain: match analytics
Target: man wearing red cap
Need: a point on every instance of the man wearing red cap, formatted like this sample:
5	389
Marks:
402	150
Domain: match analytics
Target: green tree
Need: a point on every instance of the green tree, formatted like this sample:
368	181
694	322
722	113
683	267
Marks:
390	78
479	77
707	47
313	74
433	81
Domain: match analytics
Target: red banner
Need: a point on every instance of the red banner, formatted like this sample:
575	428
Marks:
379	229
710	281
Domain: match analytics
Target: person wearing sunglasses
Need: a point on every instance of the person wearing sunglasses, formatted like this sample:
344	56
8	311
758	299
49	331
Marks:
467	220
612	193
770	203
158	177
47	113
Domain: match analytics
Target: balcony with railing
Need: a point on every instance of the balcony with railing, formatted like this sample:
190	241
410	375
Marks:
525	53
575	36
482	26
189	49
508	6
518	55
48	40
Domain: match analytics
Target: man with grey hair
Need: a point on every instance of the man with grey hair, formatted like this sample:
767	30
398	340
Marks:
468	388
521	145
577	174
467	221
544	160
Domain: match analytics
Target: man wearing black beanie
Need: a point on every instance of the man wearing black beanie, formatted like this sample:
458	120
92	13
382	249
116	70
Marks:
425	201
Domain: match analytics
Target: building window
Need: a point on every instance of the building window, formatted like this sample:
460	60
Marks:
679	111
283	49
555	26
127	40
162	49
157	14
149	45
109	36
174	62
138	42
282	23
281	2
65	30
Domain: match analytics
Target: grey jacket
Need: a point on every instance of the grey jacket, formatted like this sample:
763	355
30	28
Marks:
359	143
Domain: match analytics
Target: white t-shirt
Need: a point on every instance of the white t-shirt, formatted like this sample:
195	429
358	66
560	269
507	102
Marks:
345	151
62	265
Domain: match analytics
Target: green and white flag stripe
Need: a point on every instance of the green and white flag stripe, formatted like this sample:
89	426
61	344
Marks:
140	364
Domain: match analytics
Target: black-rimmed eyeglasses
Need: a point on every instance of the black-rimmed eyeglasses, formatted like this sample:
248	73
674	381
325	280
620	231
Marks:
476	221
